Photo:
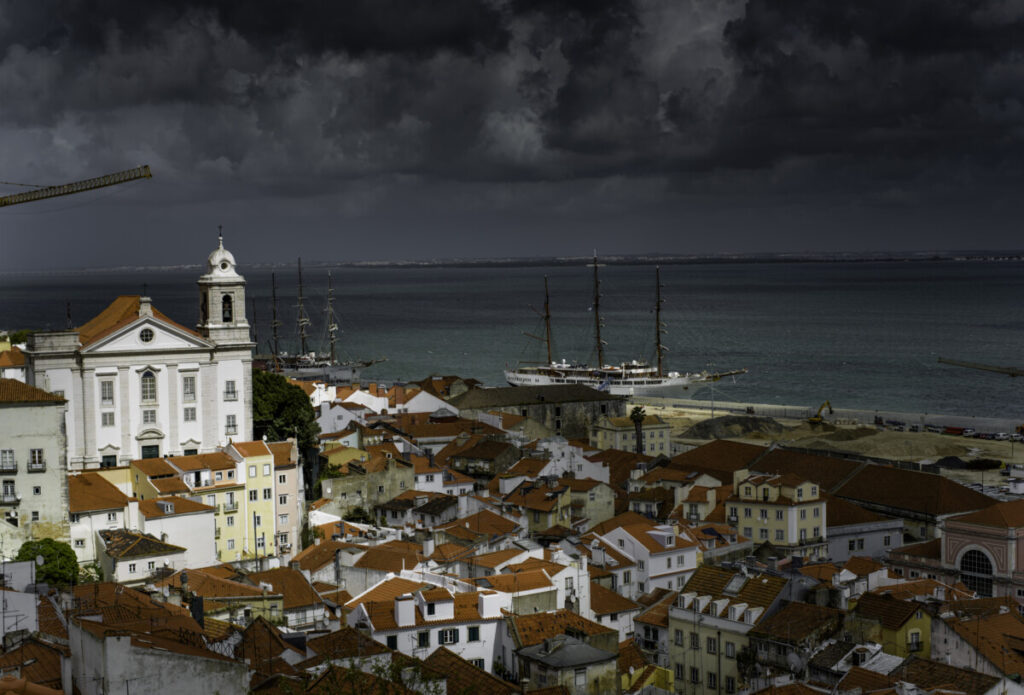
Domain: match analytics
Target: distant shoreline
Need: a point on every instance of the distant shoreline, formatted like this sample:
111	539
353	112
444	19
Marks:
617	259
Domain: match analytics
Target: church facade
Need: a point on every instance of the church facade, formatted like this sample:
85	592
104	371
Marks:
139	385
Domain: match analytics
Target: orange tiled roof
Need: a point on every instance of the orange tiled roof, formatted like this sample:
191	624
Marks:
535	628
119	313
12	358
169	485
464	677
282	452
382	613
150	509
216	460
252	448
13	391
515	582
91	492
891	613
605	601
387	590
291	584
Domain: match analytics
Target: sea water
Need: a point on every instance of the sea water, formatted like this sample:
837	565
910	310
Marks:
858	334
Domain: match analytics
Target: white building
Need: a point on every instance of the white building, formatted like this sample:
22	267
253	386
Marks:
33	497
664	559
139	385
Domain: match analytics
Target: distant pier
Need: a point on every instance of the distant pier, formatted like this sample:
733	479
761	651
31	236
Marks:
839	416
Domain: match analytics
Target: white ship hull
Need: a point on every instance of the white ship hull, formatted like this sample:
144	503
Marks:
629	379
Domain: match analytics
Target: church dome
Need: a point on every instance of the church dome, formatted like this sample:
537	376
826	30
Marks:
220	262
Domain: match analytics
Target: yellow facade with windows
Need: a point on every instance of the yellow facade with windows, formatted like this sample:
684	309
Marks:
783	510
259	528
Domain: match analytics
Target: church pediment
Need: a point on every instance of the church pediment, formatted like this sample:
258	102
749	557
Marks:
147	334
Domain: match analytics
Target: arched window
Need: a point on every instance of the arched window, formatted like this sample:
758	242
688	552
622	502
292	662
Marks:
226	310
148	386
976	572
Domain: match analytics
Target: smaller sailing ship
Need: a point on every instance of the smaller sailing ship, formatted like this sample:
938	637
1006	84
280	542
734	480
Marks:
309	364
633	378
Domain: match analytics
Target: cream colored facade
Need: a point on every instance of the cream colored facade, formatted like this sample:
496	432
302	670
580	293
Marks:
620	433
786	511
259	520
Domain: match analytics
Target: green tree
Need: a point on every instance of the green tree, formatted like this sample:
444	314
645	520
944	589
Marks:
637	415
358	515
60	566
281	410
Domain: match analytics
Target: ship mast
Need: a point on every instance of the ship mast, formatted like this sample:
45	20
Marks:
547	318
274	323
301	318
657	318
332	322
597	315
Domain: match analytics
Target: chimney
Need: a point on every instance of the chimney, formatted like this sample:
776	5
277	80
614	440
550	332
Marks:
428	547
405	610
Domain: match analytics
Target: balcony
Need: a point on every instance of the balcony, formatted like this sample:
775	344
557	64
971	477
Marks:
231	430
36	466
9	467
230	507
8	498
216	531
231	395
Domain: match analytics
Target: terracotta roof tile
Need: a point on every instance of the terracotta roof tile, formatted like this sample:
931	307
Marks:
387	590
291	584
891	613
12	358
13	391
932	674
122	543
796	621
511	583
537	627
150	509
464	677
119	313
91	492
283	454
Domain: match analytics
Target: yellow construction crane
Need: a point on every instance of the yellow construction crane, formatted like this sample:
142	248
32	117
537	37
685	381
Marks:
817	419
78	186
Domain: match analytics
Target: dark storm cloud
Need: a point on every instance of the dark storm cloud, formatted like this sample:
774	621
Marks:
555	108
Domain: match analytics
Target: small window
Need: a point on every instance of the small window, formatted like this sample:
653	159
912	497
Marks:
282	479
474	634
282	500
37	490
423	639
230	391
188	388
886	541
261	542
268	493
430	609
79	542
266	469
189	414
111	516
231	424
107	392
151	565
146	335
254	495
392	641
231	541
148	417
219	475
257	520
107	419
252	471
35	516
131	568
282	519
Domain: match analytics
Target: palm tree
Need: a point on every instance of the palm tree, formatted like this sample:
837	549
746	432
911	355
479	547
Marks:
638	415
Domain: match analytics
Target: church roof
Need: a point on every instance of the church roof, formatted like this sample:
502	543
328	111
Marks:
120	313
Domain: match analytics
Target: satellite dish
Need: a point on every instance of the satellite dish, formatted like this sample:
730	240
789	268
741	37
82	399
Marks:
796	664
40	560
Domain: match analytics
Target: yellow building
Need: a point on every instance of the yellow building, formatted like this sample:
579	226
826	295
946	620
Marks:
620	433
258	516
709	627
784	510
902	628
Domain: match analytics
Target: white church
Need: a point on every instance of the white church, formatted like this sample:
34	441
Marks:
139	385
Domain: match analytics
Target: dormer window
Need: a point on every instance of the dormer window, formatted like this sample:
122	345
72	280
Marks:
748	491
799	493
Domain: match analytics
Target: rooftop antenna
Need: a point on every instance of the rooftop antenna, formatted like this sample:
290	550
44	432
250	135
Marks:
658	325
67	312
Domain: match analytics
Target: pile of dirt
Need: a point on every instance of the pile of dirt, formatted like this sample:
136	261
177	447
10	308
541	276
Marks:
736	426
848	435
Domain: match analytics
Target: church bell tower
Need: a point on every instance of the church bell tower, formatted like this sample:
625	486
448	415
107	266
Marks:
222	300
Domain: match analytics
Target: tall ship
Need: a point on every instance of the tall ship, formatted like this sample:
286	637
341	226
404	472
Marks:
633	378
308	364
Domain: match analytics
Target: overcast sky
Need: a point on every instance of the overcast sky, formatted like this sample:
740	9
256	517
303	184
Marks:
384	129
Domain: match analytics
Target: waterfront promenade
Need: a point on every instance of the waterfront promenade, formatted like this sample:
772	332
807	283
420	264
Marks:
839	416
